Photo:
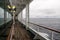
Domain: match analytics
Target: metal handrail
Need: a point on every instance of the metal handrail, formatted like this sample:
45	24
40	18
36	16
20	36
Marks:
45	27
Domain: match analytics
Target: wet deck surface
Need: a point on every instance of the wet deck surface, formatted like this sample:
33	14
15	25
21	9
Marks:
20	33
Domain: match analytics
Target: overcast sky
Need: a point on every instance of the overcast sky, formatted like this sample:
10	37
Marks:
45	9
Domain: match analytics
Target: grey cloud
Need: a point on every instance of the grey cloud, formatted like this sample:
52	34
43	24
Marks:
49	11
46	11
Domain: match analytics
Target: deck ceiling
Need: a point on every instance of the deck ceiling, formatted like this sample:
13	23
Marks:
20	4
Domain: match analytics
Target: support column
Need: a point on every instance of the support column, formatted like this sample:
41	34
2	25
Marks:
21	16
27	16
5	16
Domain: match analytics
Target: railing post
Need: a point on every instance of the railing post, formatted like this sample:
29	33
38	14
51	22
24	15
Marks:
5	16
27	16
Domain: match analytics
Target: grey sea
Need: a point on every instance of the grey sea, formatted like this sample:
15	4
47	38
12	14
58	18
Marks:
48	22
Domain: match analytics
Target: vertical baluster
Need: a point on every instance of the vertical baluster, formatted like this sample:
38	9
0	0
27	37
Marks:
52	36
27	16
